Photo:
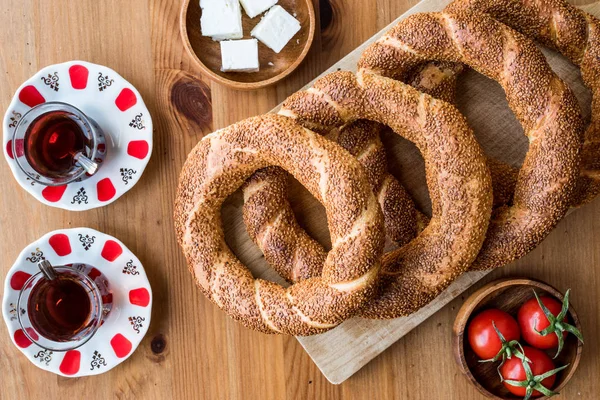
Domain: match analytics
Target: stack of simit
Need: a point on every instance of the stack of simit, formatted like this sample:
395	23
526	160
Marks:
484	214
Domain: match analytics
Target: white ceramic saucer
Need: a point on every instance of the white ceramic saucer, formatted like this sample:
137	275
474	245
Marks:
122	330
114	104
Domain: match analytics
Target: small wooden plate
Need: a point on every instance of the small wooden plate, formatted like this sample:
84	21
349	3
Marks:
206	53
508	295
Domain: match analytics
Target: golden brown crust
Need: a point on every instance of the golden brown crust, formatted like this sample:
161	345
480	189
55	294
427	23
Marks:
542	102
574	33
437	79
218	165
504	181
457	176
271	223
286	246
361	139
456	171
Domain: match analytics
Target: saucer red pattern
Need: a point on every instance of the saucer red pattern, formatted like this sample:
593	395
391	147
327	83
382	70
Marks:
131	298
114	104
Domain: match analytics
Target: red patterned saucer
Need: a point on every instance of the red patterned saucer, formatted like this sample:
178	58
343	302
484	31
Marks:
122	330
114	104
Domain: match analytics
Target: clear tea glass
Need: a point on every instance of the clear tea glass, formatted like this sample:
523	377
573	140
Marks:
55	143
64	306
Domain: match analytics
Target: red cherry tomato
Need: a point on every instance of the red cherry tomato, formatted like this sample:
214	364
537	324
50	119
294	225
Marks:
532	318
540	363
483	337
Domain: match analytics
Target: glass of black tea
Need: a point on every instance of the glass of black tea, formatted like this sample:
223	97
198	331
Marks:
55	143
63	307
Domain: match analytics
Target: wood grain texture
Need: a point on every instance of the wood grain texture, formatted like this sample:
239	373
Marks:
204	354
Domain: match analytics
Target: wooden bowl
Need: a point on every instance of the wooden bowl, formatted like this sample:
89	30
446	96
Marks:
508	295
206	53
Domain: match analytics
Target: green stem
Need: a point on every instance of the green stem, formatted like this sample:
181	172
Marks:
557	324
534	382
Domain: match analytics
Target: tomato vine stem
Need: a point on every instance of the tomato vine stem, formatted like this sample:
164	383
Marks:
558	325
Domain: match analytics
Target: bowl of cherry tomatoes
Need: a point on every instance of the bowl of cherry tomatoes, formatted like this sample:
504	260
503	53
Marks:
518	339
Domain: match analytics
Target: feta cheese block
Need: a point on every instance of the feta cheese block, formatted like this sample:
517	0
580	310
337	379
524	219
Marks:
221	19
276	28
239	55
255	7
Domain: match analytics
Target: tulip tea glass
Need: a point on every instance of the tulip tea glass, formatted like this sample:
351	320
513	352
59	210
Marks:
55	143
64	306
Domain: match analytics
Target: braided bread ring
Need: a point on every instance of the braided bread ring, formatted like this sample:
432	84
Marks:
439	79
542	102
270	220
575	34
218	165
269	217
457	177
362	139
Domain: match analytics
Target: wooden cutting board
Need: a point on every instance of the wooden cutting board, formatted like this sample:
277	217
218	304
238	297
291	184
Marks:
344	350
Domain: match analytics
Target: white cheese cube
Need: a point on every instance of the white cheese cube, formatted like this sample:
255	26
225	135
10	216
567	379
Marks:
276	28
221	19
255	7
239	55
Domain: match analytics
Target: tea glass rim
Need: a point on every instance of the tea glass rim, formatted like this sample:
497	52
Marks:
95	326
39	110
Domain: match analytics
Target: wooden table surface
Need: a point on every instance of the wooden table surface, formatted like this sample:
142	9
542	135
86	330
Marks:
192	349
